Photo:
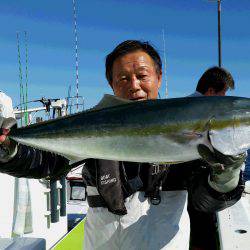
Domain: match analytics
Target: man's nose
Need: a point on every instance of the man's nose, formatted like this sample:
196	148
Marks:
134	83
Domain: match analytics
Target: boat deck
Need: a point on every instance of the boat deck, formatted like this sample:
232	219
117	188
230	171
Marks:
234	225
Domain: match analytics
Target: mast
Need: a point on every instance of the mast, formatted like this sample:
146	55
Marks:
218	29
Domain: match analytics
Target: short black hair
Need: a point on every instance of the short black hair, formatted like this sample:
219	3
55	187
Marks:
216	78
129	46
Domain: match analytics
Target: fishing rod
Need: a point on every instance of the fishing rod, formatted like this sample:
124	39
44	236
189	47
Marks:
165	63
23	90
20	74
26	78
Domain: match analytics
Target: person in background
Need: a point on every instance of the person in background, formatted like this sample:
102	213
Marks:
140	205
215	81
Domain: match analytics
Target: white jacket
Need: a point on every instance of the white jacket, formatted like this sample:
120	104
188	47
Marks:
144	227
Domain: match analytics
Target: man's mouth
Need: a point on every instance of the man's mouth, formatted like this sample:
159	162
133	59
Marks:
138	99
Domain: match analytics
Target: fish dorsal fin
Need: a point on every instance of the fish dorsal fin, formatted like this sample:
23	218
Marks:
110	101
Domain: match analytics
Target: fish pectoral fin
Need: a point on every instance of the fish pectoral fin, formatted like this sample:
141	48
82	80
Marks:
192	135
207	126
199	131
110	101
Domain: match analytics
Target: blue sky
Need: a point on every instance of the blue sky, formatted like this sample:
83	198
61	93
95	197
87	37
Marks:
190	34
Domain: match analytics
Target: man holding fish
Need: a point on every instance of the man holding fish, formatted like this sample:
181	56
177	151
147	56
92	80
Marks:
135	204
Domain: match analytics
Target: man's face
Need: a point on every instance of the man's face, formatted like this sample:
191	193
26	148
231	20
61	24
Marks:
135	77
211	92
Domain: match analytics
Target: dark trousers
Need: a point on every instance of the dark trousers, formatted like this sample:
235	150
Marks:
203	229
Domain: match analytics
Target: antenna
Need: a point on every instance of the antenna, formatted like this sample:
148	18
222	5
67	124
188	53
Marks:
165	63
76	53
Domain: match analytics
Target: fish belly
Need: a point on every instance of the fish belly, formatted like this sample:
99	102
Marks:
122	148
135	149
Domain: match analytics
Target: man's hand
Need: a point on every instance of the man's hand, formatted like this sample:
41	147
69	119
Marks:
8	147
225	169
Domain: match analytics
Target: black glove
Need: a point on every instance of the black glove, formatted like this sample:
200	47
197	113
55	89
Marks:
8	147
225	169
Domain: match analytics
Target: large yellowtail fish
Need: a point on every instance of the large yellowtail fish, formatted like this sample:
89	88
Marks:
166	130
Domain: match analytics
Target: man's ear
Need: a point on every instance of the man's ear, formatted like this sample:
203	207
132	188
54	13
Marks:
159	79
110	84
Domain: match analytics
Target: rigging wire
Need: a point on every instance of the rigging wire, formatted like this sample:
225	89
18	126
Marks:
76	53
